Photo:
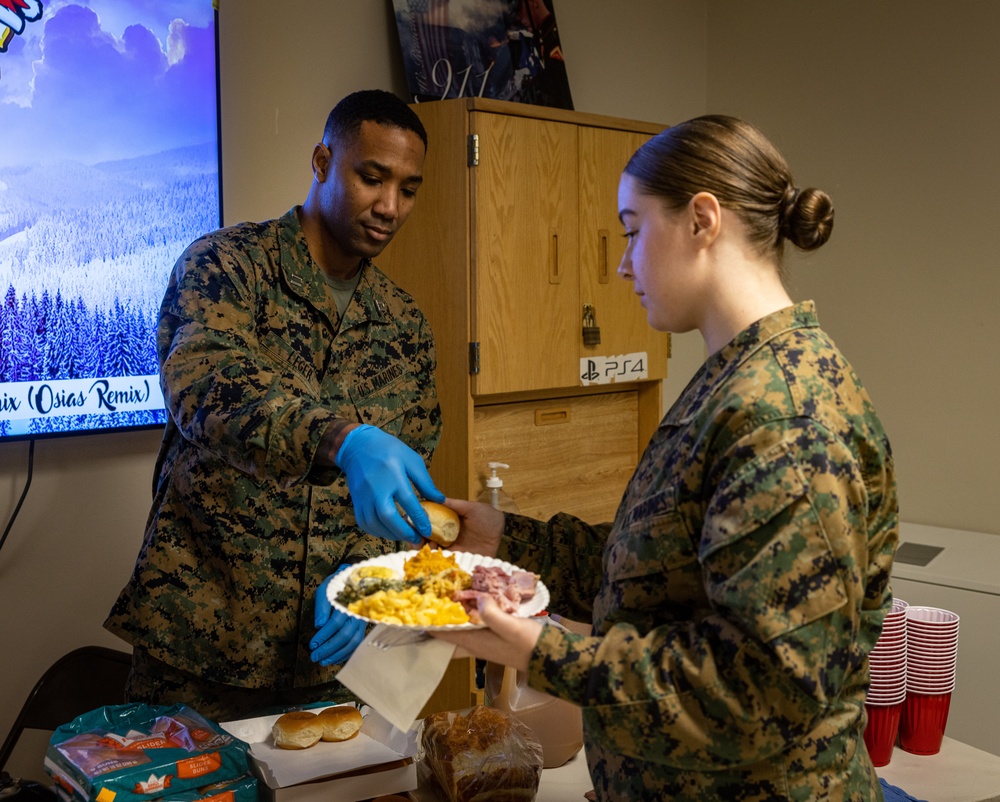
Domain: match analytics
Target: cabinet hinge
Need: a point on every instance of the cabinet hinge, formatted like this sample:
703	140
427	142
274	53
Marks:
473	358
473	150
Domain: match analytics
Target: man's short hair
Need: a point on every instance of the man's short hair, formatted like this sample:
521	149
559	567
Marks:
374	105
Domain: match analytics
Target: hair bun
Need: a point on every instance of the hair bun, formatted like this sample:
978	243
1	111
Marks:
806	217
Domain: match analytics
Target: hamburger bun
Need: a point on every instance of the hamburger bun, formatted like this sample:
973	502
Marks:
340	723
444	522
299	729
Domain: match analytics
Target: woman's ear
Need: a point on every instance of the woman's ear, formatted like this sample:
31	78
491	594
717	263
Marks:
706	216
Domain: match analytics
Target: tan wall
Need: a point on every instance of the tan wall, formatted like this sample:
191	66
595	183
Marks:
891	107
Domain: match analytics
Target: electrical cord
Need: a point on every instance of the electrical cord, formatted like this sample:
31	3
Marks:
24	493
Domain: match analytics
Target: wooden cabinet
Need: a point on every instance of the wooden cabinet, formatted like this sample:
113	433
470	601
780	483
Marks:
545	242
525	243
514	231
593	437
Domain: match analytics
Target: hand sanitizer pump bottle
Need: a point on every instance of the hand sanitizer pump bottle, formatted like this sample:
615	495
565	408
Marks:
494	494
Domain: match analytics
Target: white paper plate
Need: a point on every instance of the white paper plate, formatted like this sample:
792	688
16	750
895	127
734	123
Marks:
465	561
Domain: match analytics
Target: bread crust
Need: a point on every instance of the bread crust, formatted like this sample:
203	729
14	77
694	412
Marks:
301	729
298	729
445	523
480	757
340	723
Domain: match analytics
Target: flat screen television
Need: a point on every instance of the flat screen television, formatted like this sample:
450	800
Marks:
109	168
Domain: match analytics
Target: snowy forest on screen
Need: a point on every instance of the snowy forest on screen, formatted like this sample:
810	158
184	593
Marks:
82	272
109	168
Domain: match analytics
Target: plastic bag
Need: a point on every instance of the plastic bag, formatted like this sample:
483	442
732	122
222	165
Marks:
128	753
473	755
556	723
242	789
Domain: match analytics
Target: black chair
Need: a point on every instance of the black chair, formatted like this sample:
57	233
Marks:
83	680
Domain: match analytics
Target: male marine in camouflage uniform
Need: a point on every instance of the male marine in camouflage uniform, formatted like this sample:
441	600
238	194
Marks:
740	589
275	340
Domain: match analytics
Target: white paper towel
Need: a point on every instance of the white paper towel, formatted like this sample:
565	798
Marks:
377	743
397	682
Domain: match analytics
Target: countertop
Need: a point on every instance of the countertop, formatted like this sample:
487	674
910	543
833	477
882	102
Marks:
568	783
958	773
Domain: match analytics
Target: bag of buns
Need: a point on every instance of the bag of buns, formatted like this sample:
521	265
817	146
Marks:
477	755
136	752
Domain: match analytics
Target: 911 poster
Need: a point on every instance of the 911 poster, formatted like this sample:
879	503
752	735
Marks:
501	49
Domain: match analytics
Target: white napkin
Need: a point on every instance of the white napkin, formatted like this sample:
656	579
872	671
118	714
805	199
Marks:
283	767
377	743
397	682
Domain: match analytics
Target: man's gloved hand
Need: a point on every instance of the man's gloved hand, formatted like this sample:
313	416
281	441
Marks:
338	635
381	472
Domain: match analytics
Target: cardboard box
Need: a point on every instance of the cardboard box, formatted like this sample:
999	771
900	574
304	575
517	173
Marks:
380	760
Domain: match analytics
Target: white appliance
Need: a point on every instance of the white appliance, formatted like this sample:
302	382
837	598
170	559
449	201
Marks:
960	571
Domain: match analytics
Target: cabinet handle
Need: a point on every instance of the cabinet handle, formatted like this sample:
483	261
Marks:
555	276
602	257
546	417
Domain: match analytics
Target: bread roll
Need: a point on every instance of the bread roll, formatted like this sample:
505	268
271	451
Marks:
299	729
444	522
340	723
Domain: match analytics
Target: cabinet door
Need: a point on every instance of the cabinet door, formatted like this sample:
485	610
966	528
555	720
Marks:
620	316
525	272
572	455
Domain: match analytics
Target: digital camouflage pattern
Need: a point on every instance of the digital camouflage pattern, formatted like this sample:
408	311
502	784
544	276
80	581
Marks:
152	679
740	589
255	364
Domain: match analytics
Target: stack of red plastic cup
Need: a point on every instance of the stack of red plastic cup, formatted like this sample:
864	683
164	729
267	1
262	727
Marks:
932	652
887	690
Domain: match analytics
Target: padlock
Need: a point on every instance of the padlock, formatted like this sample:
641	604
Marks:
591	331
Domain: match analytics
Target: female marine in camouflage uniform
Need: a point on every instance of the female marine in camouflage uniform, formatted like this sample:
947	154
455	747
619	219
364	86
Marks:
736	596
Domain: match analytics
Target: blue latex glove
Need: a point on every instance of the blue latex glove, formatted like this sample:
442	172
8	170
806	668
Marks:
381	472
338	635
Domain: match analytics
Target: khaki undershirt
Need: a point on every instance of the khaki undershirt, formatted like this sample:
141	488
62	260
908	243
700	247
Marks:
343	290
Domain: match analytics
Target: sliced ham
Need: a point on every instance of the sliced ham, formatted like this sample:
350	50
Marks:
507	590
526	583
